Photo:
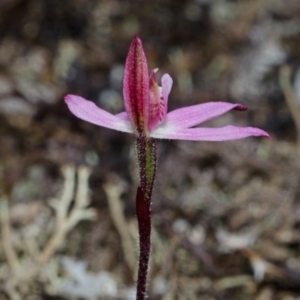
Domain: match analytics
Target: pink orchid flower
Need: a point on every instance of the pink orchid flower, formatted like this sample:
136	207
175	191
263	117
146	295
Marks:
146	116
146	108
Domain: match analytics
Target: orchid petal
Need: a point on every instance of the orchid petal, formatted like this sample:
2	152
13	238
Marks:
136	87
166	86
156	103
193	115
208	134
123	115
88	111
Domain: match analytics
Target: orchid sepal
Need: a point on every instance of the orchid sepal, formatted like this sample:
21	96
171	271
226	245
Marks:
176	125
136	87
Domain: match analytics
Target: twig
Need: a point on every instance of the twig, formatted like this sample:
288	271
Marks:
8	248
113	192
61	207
65	221
80	211
290	98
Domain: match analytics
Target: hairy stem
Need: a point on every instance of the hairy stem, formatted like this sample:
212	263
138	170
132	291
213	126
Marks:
144	224
146	154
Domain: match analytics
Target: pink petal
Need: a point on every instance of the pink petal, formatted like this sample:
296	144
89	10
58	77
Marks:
123	115
193	115
208	134
156	103
136	86
88	111
166	86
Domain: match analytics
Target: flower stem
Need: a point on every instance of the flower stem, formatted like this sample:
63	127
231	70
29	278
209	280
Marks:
146	154
144	224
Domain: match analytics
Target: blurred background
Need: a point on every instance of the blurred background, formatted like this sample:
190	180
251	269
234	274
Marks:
226	216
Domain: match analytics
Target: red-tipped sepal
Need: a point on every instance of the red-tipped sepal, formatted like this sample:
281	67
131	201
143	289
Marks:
136	87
